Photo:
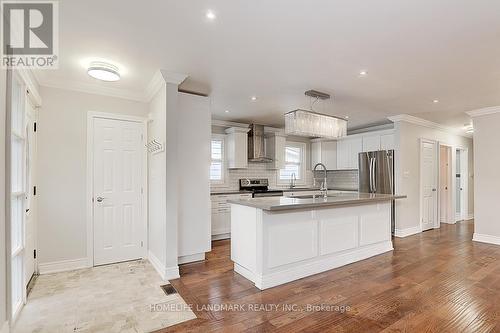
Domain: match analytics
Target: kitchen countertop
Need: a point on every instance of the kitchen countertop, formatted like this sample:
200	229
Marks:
298	189
224	192
341	199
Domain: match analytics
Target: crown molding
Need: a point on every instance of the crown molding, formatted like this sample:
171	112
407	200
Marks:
159	78
90	88
426	123
484	111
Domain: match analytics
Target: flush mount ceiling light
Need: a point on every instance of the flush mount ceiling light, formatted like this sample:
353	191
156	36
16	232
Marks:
363	73
312	124
210	15
253	98
103	71
435	101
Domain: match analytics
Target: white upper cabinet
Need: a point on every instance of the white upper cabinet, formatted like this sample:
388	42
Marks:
387	142
237	148
347	152
371	142
324	152
275	149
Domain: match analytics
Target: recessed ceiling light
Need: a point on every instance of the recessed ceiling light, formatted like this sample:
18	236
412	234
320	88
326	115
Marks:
254	98
346	117
210	15
103	71
435	101
227	111
363	73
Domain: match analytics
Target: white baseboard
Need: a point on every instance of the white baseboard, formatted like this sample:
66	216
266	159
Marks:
407	232
448	222
486	239
470	216
62	266
172	273
5	328
165	273
294	273
221	236
191	258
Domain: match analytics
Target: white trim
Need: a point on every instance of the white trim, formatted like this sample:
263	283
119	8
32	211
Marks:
221	236
225	123
486	239
172	273
221	182
157	264
484	111
31	81
470	216
62	266
90	88
401	233
154	85
426	123
191	258
89	177
303	165
294	273
451	179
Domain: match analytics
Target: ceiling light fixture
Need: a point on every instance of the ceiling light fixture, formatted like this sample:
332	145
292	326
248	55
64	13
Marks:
363	73
210	15
311	124
103	71
254	98
227	111
435	101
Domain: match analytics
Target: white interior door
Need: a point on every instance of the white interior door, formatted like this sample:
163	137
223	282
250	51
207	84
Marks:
444	184
119	227
428	156
30	221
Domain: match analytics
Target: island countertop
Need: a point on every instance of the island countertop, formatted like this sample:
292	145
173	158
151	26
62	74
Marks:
340	199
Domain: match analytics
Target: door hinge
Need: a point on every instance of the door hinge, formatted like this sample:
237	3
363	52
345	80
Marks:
142	244
142	190
34	190
34	126
34	253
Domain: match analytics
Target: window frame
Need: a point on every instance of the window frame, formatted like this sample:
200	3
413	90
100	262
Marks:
222	138
302	165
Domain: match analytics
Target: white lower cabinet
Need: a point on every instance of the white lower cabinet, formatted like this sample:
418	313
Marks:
221	214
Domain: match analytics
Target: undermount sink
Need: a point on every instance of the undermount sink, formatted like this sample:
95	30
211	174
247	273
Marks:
310	196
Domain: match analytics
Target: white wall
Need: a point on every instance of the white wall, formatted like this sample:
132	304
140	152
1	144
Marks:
157	179
62	153
408	168
3	268
194	182
487	184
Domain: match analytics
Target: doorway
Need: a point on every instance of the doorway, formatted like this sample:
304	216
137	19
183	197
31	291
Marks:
428	184
461	185
446	214
116	181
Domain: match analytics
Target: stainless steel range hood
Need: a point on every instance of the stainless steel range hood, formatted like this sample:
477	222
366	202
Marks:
256	149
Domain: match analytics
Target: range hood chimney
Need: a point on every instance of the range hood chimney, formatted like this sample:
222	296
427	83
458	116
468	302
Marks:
256	151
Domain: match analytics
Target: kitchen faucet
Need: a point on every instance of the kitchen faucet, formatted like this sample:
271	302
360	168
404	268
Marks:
293	180
324	187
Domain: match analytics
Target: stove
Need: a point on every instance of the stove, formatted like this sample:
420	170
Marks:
259	187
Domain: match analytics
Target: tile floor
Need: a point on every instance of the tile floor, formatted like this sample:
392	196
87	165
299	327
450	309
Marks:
112	298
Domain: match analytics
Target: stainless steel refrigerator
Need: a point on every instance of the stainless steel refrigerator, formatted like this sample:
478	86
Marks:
376	174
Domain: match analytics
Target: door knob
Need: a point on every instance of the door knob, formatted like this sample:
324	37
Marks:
99	199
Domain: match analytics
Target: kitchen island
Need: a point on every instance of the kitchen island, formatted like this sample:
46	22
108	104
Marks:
276	240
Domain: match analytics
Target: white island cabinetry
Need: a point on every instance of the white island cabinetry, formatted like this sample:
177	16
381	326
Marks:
288	240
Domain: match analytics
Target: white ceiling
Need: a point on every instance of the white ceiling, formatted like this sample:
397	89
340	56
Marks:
414	51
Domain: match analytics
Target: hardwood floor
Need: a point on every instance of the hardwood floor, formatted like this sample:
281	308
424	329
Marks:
437	281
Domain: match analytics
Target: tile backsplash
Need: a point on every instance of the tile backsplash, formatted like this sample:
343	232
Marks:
257	170
336	179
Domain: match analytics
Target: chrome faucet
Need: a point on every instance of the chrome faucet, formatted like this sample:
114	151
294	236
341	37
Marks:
324	187
293	180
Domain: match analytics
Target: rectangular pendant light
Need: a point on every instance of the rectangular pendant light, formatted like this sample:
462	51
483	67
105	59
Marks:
311	124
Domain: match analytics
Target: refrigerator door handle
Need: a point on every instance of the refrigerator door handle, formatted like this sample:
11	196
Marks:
374	175
371	174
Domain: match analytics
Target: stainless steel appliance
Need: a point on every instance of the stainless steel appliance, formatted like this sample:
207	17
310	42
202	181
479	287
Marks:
376	174
256	149
259	187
